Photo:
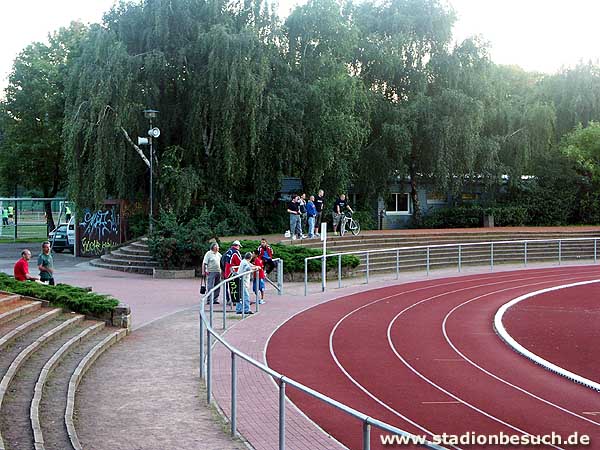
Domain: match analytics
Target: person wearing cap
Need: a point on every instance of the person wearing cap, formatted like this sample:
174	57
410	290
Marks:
233	258
21	269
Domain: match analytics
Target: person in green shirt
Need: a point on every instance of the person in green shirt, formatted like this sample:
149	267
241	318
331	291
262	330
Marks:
4	216
46	264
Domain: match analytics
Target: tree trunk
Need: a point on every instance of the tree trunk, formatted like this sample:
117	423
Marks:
414	195
49	218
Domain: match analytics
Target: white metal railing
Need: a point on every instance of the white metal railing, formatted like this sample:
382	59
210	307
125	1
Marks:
496	255
207	333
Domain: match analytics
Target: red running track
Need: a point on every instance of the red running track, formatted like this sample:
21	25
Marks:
424	357
567	331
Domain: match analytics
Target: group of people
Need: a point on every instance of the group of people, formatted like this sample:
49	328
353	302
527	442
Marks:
217	266
308	214
45	266
7	214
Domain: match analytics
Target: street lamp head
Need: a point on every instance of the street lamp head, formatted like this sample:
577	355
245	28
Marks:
150	113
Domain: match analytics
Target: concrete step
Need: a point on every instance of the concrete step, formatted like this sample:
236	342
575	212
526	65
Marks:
122	267
123	260
49	404
17	308
131	250
24	324
120	255
140	245
19	370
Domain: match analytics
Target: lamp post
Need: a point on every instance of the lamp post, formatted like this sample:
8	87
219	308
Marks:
152	133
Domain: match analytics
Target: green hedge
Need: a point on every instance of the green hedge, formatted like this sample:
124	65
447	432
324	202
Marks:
472	216
293	256
62	295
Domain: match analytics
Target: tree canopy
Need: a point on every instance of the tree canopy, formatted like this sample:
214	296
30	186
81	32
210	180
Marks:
342	95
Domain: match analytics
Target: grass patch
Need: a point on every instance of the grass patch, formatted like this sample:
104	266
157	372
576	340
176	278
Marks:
62	295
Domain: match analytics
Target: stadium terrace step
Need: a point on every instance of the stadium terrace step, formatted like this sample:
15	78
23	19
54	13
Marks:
122	267
133	258
410	258
40	351
120	260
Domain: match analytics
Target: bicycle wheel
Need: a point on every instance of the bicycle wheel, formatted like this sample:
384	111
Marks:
342	227
354	227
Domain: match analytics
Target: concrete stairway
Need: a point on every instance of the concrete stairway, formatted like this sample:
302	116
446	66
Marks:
44	352
410	258
134	258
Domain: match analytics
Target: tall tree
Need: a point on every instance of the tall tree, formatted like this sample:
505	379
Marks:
31	153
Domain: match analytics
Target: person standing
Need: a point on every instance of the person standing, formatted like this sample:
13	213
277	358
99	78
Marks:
311	212
302	208
338	212
259	277
293	209
245	266
211	271
319	204
46	264
265	252
4	216
21	269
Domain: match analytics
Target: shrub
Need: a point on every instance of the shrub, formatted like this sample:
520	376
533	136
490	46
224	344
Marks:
181	245
293	256
62	295
472	216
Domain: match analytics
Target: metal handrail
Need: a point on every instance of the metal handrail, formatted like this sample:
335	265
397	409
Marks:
459	245
282	380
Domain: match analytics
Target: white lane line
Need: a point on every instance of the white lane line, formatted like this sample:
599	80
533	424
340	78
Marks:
520	389
530	355
538	274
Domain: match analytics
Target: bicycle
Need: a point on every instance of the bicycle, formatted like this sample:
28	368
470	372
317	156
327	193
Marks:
349	223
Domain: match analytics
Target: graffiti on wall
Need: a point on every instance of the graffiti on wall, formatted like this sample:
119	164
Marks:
99	230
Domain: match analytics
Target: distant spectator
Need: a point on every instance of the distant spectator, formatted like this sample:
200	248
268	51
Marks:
67	213
245	266
21	269
302	208
46	264
311	212
319	204
338	211
259	277
265	252
211	270
4	216
293	209
11	214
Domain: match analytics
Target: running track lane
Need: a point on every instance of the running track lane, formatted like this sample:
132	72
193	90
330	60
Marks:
440	367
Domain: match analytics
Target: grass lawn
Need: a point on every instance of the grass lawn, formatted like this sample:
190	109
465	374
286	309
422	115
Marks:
25	233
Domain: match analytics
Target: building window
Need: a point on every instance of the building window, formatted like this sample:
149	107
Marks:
398	203
436	198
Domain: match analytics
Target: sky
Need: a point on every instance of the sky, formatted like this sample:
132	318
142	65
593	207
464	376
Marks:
542	35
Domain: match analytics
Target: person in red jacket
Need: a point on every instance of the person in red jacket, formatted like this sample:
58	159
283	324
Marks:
259	277
265	253
21	269
233	259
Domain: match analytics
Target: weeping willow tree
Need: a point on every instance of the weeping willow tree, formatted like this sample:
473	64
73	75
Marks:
203	65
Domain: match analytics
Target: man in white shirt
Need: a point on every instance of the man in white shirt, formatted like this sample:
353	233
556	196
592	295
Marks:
211	270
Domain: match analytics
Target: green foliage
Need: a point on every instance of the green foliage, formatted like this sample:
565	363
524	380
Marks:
582	145
366	220
472	216
62	295
293	256
177	245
